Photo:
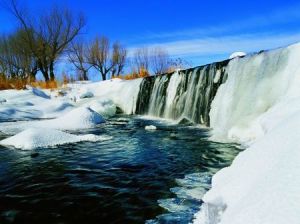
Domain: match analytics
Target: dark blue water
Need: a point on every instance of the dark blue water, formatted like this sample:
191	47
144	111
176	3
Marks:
138	176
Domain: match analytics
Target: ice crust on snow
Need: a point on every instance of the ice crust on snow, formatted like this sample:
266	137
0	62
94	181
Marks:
43	137
258	106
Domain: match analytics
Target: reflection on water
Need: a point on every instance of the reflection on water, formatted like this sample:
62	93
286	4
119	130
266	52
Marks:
138	176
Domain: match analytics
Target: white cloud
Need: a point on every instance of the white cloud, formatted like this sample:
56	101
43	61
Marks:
244	34
225	44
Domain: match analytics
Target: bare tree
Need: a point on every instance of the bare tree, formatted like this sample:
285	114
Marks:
105	59
159	61
16	59
119	59
141	59
59	28
77	55
7	58
99	56
49	35
24	58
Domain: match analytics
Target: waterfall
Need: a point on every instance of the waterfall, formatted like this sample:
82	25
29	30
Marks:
253	85
185	94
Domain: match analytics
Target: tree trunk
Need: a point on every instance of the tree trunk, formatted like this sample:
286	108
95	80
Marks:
103	76
51	68
46	76
44	71
83	75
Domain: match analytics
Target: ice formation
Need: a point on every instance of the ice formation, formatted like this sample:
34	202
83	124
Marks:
258	106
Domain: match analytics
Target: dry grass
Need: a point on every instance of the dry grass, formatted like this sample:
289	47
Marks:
135	75
13	83
18	83
45	85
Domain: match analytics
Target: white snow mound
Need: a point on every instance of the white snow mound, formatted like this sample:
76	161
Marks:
79	118
43	137
237	54
105	107
150	127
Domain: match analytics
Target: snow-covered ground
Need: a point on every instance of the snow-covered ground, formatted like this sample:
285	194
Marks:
258	106
39	118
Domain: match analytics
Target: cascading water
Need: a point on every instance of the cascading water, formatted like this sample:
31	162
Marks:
185	94
258	104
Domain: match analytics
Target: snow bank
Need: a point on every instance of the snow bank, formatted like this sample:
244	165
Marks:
79	118
237	54
76	119
43	137
105	107
259	106
31	104
103	97
262	185
123	93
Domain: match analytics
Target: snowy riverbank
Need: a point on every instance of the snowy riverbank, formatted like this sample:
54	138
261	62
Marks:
43	116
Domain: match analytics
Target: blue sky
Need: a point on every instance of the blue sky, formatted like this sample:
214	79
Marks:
199	31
